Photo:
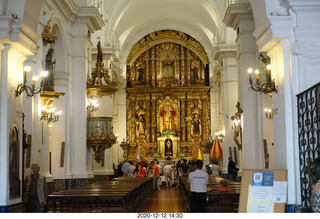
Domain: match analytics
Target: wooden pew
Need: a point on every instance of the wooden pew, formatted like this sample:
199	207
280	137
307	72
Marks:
216	201
122	195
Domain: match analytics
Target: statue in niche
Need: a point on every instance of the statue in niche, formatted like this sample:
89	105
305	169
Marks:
168	147
167	116
140	119
196	120
195	71
48	82
140	74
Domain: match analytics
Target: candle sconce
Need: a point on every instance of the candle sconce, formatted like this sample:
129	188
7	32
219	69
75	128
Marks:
124	145
30	90
269	114
268	86
220	136
93	103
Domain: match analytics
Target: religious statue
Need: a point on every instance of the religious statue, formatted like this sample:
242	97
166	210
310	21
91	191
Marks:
48	82
168	147
140	119
196	120
196	124
237	128
196	73
140	75
100	53
167	115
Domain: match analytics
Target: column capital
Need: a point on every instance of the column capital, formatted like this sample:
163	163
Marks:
236	13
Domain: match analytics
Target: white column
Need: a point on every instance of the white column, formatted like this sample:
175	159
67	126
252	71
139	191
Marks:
78	120
4	132
229	95
248	99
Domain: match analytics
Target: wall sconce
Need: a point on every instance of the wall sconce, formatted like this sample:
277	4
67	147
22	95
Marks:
50	114
30	90
269	114
124	145
267	86
220	136
210	142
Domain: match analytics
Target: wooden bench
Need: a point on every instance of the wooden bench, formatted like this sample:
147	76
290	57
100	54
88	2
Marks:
122	195
216	201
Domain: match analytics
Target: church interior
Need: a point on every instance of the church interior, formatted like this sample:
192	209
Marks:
87	85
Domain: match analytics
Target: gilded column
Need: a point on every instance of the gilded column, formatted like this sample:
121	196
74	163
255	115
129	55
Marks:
188	67
182	65
188	123
153	68
158	60
147	118
147	69
133	119
183	122
204	118
153	119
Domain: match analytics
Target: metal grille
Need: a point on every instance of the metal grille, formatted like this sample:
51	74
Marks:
309	135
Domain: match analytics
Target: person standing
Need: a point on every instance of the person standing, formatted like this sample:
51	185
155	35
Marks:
231	169
184	168
215	169
198	186
124	168
155	175
36	193
142	170
167	169
131	169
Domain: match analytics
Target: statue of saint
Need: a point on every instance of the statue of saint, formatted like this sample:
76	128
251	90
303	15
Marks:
140	75
140	119
100	53
196	124
196	73
48	82
167	115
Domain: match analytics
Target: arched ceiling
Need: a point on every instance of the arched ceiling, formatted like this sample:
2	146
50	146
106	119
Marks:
130	20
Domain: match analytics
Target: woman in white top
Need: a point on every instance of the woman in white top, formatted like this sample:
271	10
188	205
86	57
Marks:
215	169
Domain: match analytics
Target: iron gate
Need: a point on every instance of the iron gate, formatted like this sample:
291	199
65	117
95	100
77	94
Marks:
309	135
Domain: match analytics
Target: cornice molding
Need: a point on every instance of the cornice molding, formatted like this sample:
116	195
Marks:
221	51
237	12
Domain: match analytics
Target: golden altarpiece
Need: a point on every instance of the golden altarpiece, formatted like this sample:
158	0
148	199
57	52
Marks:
168	110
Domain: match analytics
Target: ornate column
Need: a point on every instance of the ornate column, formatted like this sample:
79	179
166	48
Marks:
182	120
147	69
189	101
153	118
147	133
182	65
133	117
188	67
204	102
153	68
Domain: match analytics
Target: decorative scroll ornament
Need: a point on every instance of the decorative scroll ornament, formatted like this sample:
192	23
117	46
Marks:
167	35
307	49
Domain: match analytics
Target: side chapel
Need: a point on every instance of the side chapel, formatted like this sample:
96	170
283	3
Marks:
164	122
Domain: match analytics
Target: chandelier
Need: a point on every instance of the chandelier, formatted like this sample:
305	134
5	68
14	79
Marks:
263	86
